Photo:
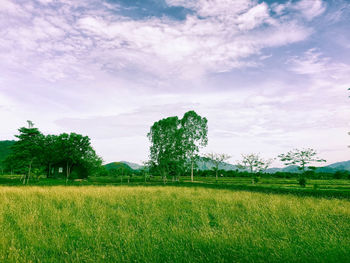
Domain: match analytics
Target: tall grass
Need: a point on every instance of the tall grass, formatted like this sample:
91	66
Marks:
169	224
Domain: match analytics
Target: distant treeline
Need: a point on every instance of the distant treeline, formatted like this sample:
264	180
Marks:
35	154
343	174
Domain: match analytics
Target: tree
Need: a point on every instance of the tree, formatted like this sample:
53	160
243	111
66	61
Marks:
51	153
216	159
5	151
75	149
195	136
27	151
165	148
301	158
254	164
176	142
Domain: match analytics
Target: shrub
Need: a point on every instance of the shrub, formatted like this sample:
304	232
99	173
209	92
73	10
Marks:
302	181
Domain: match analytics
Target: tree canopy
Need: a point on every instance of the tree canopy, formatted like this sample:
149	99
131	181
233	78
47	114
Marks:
300	157
34	151
176	142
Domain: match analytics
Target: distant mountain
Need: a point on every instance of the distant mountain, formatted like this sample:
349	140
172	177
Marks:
288	169
205	164
134	166
340	166
332	168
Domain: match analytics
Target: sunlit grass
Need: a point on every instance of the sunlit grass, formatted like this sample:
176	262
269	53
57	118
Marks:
169	224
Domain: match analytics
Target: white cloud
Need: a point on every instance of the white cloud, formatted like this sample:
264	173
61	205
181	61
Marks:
310	8
314	63
224	38
110	76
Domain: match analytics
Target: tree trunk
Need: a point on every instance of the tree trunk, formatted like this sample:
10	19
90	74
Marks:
216	173
67	173
29	170
49	174
192	171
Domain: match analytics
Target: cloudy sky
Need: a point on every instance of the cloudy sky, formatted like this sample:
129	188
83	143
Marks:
269	75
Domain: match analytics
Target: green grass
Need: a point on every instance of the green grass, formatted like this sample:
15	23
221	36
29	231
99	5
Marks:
339	188
169	224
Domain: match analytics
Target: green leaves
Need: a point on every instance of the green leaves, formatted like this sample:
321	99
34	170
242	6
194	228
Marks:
254	163
175	142
300	157
33	150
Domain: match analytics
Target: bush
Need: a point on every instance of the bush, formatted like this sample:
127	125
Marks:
255	179
302	181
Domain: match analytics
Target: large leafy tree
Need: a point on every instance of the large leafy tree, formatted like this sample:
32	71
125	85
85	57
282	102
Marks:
33	150
166	152
26	153
5	150
50	152
194	136
175	142
75	149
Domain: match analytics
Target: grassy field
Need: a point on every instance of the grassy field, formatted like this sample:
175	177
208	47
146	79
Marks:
169	224
337	188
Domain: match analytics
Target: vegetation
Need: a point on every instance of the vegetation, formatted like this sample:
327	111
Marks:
169	224
254	164
118	214
175	143
35	154
216	159
301	158
5	150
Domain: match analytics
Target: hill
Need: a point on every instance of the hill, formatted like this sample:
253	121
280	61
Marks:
204	164
340	166
288	169
118	166
5	149
133	166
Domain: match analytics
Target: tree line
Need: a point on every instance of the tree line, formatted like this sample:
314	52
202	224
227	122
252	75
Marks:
175	145
34	154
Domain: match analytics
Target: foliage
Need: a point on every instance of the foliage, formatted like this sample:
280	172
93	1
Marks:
302	181
194	136
300	157
118	168
35	152
5	150
27	152
216	159
176	141
254	163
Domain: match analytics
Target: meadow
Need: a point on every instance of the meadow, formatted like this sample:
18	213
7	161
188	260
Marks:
155	223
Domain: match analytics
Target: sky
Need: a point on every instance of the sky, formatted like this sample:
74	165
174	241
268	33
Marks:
269	76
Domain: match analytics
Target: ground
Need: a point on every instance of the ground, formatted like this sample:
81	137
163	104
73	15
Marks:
174	223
